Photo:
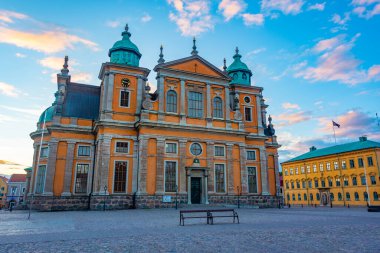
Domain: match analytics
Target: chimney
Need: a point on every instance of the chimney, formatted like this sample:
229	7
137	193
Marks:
362	138
313	148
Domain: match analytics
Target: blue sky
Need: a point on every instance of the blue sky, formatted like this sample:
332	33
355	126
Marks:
317	60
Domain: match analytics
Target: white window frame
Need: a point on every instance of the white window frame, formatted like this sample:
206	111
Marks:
302	170
225	178
129	147
126	174
176	173
224	150
176	147
291	171
75	178
213	108
36	179
336	165
296	170
286	172
250	151
129	98
83	145
315	168
257	180
251	113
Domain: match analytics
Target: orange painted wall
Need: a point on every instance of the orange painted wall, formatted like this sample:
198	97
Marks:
200	68
236	167
151	166
60	168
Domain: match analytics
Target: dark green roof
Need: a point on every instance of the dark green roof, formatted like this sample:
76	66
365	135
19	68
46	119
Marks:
49	115
337	149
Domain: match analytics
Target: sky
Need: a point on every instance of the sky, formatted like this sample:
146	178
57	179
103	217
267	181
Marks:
317	61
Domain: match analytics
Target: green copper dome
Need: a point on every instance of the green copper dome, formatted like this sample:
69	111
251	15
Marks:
49	115
124	51
239	71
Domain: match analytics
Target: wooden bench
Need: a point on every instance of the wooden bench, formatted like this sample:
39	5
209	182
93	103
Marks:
208	214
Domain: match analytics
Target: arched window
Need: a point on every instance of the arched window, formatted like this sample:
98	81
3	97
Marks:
293	197
348	196
299	196
304	196
339	196
375	196
244	76
171	101
318	197
331	196
235	76
288	197
365	194
311	196
356	196
218	108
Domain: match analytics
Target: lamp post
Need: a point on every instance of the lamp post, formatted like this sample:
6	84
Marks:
105	195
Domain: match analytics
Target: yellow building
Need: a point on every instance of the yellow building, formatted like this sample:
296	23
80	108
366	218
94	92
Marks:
346	174
202	136
3	190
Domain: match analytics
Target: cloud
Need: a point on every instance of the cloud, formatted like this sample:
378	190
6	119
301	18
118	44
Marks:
366	8
253	19
337	19
287	7
317	6
19	55
192	17
9	16
287	119
336	62
81	77
6	118
33	112
113	24
9	90
290	106
55	63
353	123
146	18
230	8
256	51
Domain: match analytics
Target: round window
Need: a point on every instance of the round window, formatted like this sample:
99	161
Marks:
247	100
196	149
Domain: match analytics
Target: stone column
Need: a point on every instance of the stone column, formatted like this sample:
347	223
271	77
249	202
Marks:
135	165
139	93
243	169
210	164
110	86
102	166
182	101
208	105
143	157
68	169
205	187
276	171
227	103
230	169
52	159
264	172
259	118
34	168
182	165
160	172
103	96
161	97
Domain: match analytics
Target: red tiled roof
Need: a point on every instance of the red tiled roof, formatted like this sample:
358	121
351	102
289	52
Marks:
18	178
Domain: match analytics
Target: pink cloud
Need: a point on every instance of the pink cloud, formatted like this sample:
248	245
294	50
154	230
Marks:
287	7
231	8
253	19
366	8
317	6
290	106
9	16
287	119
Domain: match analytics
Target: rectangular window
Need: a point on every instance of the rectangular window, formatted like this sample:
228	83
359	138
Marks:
219	151
352	163
314	168
316	183
292	184
170	176
308	168
286	172
370	161
251	155
44	152
345	180
321	167
337	182
298	184
303	184
248	113
330	182
195	104
81	178
84	150
120	177
328	166
124	98
363	180
336	165
122	147
310	184
323	183
354	181
287	185
40	182
302	170
373	180
219	178
291	171
171	148
296	171
360	163
344	165
252	180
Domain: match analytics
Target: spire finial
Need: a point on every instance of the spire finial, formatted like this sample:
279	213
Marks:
237	50
161	59
270	119
65	69
194	52
126	31
224	65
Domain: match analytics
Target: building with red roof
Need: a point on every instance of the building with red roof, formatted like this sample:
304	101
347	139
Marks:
16	189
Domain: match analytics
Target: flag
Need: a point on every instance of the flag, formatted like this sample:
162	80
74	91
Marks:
335	124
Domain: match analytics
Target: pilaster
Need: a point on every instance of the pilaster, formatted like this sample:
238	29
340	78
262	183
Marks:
276	170
259	116
182	164
230	171
135	165
182	101
210	163
160	188
139	98
68	169
208	105
227	107
161	97
264	172
243	169
143	157
52	159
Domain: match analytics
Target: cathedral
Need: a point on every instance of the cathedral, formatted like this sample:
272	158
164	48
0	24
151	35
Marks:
201	138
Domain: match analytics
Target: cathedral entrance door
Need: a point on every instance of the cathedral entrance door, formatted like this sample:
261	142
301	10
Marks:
196	190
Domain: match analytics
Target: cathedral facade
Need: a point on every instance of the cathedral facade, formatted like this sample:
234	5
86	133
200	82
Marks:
201	138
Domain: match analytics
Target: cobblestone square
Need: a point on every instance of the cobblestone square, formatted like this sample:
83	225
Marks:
158	230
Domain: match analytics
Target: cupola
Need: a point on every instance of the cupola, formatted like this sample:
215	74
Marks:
125	51
238	71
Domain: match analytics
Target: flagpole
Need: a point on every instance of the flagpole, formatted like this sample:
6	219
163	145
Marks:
334	133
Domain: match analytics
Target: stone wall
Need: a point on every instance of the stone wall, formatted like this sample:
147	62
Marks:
117	202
